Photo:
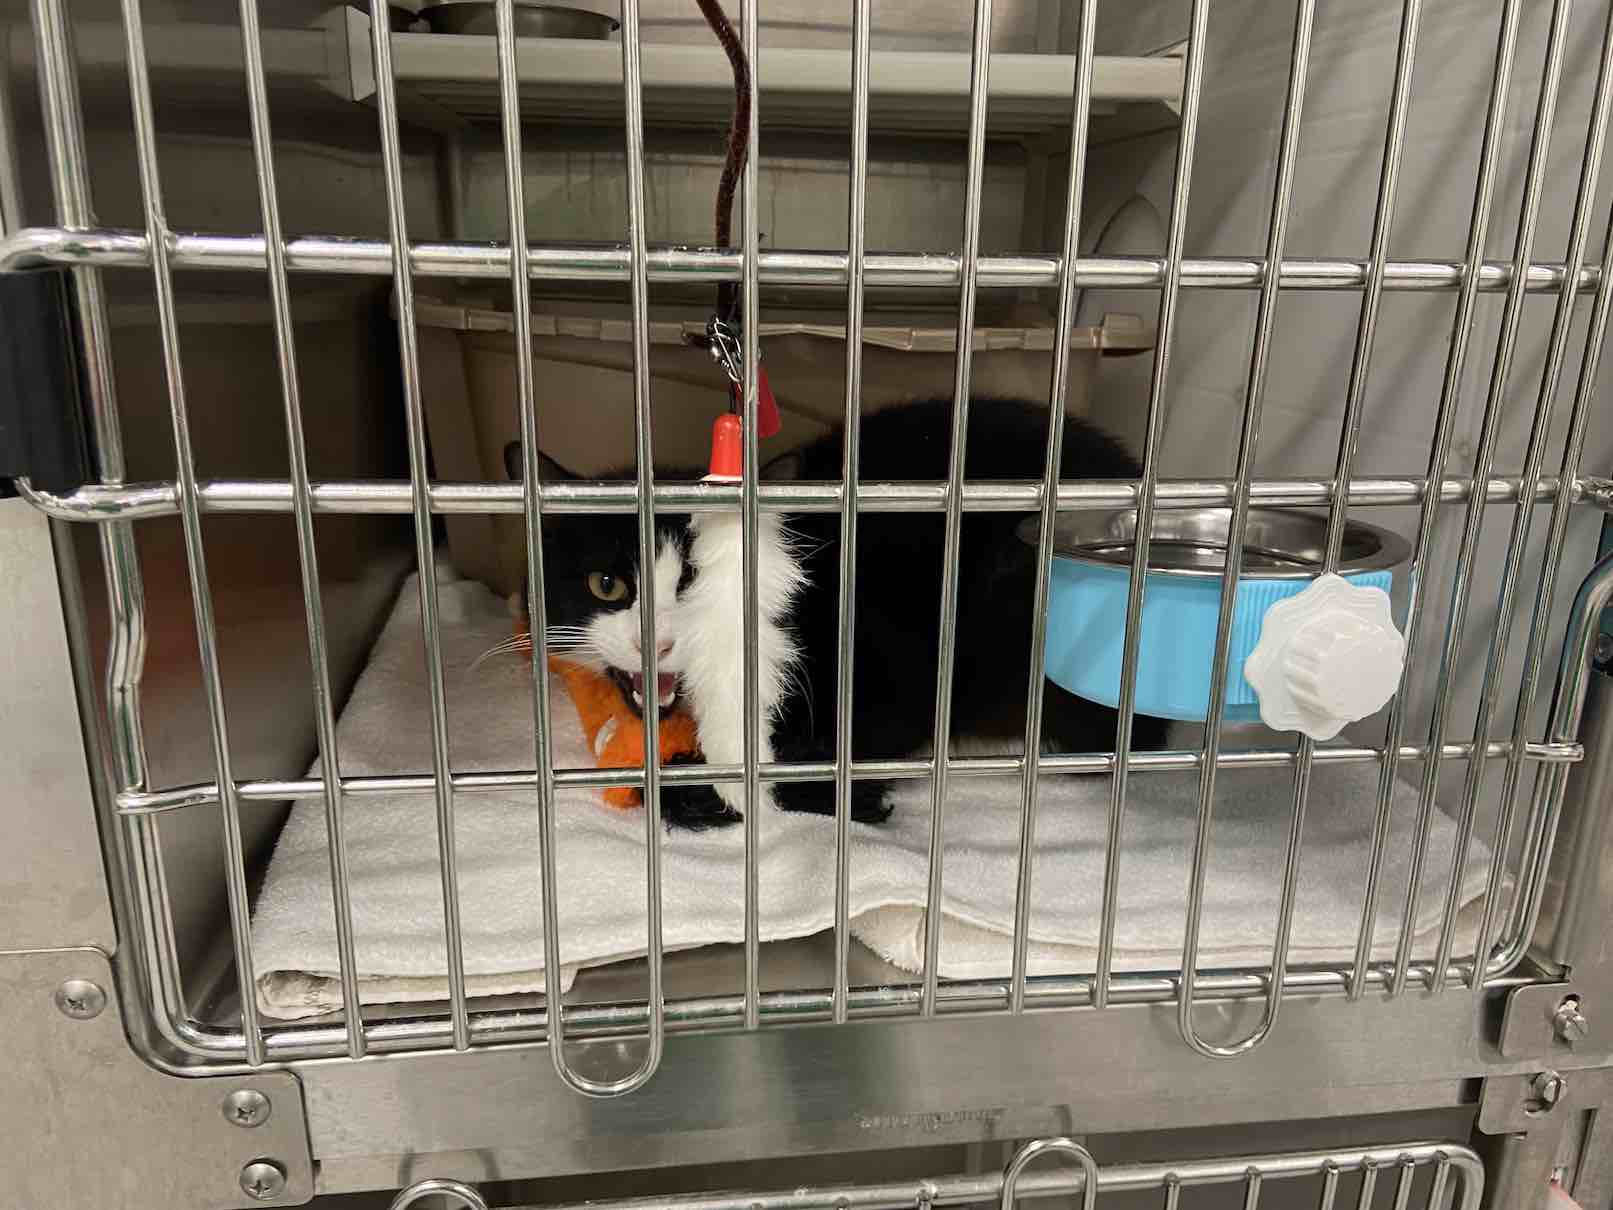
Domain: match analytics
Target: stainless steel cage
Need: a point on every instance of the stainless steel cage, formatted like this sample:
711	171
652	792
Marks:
1547	749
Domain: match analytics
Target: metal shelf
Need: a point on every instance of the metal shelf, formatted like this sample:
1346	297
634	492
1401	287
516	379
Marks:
805	88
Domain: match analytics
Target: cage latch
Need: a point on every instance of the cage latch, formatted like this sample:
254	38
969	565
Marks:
42	433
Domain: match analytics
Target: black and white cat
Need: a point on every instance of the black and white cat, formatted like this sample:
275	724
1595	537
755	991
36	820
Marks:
591	602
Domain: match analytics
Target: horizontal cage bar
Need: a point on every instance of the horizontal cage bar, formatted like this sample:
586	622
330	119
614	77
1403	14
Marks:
159	801
131	502
114	248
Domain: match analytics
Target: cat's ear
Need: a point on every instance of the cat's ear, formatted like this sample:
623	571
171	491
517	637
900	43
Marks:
549	471
785	468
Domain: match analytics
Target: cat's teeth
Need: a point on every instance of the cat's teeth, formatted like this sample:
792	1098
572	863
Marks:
638	698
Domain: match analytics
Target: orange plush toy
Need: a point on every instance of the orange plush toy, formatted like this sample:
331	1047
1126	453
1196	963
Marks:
615	733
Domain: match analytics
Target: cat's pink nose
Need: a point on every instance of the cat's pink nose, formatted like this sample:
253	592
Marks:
664	648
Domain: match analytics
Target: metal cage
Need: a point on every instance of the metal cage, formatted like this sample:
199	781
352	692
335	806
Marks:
1537	755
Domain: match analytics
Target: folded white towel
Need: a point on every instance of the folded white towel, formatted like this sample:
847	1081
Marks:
397	897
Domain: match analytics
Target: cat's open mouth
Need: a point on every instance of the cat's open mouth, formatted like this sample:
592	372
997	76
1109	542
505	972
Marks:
632	686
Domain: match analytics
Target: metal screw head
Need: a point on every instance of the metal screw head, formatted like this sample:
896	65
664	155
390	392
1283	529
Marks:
80	999
263	1180
1569	1023
1545	1091
246	1107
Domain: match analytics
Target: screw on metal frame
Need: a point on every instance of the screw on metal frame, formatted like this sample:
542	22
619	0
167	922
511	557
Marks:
247	1108
263	1180
1568	1023
80	999
1546	1091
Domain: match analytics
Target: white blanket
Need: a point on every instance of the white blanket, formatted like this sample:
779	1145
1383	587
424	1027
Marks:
397	893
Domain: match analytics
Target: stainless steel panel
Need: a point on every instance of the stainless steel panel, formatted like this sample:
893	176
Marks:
86	1123
51	876
879	1085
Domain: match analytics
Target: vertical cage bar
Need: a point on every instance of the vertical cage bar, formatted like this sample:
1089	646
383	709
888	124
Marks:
11	216
1369	1185
1534	185
1444	427
1545	404
537	615
1442	1177
1349	438
1537	831
419	490
1081	106
1173	1191
120	559
145	132
1187	139
1251	1189
303	516
1253	406
633	106
125	587
856	253
1408	1173
1330	1186
979	83
750	526
1355	406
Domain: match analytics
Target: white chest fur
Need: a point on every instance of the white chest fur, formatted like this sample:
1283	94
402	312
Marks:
710	617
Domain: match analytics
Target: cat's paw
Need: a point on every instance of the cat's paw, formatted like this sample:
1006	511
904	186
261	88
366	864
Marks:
695	808
870	800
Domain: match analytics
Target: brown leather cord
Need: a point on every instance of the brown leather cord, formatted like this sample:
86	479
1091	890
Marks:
738	139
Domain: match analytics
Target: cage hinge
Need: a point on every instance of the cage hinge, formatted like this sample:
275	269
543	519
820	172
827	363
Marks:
42	434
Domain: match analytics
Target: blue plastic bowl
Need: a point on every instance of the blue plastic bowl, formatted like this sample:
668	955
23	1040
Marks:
1282	554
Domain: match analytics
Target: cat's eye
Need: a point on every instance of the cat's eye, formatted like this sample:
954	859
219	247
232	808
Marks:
606	586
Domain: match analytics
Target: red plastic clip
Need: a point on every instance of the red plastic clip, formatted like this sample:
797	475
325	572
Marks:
727	449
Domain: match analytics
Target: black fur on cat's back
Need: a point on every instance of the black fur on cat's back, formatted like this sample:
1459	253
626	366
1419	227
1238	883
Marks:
898	593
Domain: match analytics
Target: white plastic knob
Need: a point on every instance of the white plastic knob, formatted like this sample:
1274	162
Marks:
1327	656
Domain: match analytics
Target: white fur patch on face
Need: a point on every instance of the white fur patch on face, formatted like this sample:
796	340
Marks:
613	634
709	655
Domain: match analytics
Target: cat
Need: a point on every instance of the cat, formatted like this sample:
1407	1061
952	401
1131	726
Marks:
591	606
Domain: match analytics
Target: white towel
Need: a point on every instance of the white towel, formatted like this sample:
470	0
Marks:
397	895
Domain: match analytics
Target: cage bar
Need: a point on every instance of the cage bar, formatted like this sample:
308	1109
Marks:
303	513
750	521
1523	515
1439	453
856	256
240	906
420	508
1187	139
979	86
1533	189
1079	112
101	247
1254	400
